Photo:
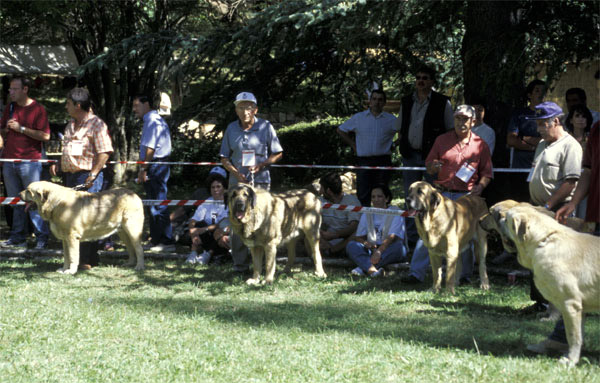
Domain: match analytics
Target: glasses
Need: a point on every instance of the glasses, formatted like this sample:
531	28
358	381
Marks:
422	78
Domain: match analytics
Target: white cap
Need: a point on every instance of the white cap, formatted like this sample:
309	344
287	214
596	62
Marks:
465	110
164	109
245	96
218	170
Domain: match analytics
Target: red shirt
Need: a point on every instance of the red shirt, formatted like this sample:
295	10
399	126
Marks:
591	160
448	149
17	144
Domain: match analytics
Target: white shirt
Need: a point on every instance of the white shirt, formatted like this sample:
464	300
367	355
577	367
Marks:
374	134
397	227
487	134
210	213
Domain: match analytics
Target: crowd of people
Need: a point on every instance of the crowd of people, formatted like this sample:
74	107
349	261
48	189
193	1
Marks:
454	146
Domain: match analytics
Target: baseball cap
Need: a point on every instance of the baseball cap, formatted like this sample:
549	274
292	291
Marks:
245	96
465	110
545	110
218	170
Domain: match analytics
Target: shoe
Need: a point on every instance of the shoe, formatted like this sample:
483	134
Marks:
147	246
358	272
548	345
410	280
163	248
84	266
502	258
40	245
204	258
11	243
192	258
378	273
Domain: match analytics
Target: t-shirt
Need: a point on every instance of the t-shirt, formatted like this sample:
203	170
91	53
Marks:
17	144
397	227
210	213
522	159
487	134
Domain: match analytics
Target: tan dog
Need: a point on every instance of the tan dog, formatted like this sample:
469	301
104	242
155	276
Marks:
446	228
264	220
565	265
76	216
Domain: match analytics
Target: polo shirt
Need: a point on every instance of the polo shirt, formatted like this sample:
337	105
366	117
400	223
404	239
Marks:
374	134
448	149
155	135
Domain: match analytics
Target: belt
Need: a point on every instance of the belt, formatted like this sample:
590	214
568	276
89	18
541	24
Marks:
445	189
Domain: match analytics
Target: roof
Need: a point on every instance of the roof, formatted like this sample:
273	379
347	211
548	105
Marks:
37	59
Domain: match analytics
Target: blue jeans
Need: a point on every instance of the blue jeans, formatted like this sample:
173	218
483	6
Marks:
419	263
394	253
17	176
156	188
88	251
409	177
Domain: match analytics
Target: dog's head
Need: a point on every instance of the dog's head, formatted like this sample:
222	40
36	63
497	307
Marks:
240	199
495	220
422	198
36	194
516	230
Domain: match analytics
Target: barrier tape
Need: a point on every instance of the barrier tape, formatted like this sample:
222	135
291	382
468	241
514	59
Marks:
349	167
198	202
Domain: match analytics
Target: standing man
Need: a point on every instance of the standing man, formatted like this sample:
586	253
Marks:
24	126
155	146
482	129
374	132
86	148
555	171
249	146
577	96
424	115
463	164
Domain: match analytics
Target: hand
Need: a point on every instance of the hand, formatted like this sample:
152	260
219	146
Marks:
196	240
89	181
224	242
327	235
368	245
256	168
375	256
53	170
477	189
142	176
240	177
564	212
13	124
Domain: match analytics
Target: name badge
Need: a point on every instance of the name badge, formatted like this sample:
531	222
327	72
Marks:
248	158
530	175
465	172
76	147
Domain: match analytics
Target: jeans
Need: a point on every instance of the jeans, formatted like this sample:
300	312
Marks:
88	251
409	177
419	263
17	176
156	188
395	253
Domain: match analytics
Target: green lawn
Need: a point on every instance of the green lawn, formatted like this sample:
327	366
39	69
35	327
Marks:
179	323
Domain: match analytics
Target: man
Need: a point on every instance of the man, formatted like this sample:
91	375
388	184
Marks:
423	116
555	171
577	96
24	126
86	148
463	164
588	185
482	129
249	146
522	138
374	132
155	146
338	225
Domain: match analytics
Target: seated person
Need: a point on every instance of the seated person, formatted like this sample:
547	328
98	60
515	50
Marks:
338	225
181	216
380	239
206	220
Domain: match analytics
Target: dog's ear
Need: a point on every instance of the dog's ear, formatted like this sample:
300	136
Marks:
252	197
487	222
434	199
517	225
226	198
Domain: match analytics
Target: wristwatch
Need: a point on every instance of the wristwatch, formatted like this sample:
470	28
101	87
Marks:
22	129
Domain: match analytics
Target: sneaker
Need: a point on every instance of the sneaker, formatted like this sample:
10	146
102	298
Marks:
548	345
11	243
162	248
358	272
192	258
204	258
41	245
378	273
410	280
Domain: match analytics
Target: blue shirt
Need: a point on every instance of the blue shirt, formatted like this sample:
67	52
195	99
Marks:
155	135
518	124
374	134
261	138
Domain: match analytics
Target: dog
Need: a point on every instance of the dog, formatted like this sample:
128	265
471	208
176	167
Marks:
76	216
446	228
265	220
565	265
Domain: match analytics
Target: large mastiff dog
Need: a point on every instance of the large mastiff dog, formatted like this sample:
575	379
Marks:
264	220
565	264
446	228
76	216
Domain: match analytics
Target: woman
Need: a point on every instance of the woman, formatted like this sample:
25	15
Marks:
206	220
380	239
579	122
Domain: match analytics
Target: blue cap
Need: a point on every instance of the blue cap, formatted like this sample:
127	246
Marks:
218	170
545	110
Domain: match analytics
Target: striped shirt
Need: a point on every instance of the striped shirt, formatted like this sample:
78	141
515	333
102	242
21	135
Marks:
82	144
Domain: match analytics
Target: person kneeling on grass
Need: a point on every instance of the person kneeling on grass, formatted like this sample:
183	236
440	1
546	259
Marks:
206	220
380	239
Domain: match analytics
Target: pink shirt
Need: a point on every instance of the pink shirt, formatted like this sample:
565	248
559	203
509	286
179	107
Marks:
454	155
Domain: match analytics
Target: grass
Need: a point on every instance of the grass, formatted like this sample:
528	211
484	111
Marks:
178	323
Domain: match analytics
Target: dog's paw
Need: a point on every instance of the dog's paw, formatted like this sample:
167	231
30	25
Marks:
566	362
321	274
129	264
61	270
266	282
70	271
139	267
484	286
252	281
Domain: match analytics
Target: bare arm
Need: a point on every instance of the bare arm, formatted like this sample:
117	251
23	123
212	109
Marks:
563	192
226	162
526	143
33	133
273	158
143	168
582	190
347	139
